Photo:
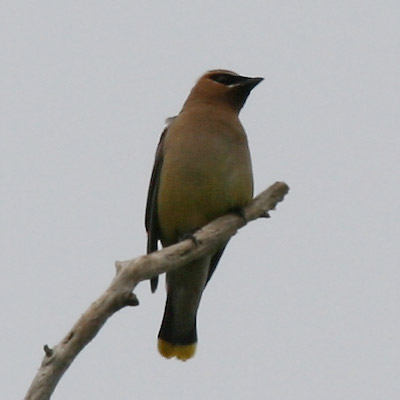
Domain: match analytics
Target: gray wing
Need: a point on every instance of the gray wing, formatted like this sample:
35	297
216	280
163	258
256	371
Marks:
214	261
151	219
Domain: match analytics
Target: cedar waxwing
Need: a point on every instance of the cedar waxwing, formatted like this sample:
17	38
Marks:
202	171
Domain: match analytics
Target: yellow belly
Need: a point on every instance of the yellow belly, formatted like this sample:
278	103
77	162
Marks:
199	183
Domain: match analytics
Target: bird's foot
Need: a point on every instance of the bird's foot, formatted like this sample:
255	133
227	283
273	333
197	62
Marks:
265	214
239	211
190	236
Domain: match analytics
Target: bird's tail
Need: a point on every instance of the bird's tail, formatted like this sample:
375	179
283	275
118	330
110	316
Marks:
178	334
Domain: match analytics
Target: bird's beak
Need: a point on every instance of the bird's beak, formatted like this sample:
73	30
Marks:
251	83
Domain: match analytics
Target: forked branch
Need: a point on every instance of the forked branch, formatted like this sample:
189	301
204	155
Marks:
129	273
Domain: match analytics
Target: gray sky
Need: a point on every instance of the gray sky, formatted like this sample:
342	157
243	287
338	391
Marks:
304	305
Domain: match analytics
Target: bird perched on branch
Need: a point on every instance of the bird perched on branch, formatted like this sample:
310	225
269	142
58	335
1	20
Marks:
202	171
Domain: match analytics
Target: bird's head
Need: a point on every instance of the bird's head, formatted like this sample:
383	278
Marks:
223	87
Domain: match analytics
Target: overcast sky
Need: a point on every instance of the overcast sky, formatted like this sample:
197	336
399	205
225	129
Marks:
304	305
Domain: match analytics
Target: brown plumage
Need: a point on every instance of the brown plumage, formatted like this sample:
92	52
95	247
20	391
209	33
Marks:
202	171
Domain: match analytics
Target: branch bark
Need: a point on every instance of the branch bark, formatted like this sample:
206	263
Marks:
129	273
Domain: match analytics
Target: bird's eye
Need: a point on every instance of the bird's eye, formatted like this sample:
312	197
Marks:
227	79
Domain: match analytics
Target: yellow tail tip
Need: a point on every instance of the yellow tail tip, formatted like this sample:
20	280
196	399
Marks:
180	351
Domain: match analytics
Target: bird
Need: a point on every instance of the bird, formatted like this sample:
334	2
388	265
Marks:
202	170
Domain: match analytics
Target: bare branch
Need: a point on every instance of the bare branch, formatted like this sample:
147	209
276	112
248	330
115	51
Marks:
129	273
